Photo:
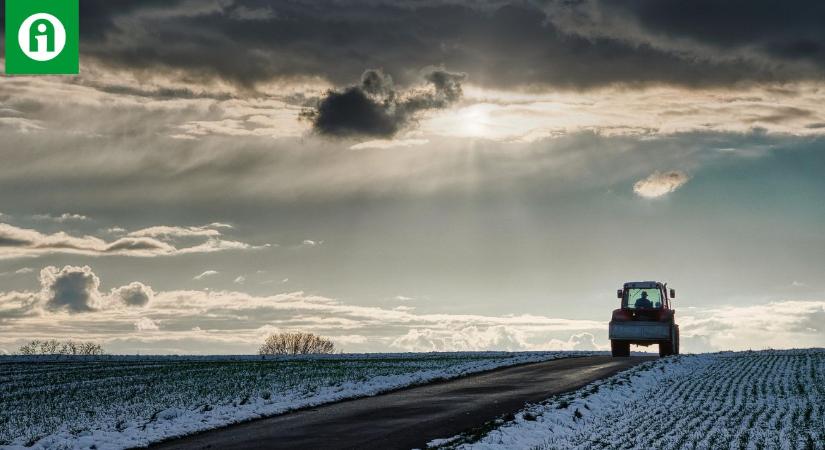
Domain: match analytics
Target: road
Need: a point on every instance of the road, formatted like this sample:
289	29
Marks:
410	418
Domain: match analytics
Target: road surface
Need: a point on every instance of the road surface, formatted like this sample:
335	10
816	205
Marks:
410	418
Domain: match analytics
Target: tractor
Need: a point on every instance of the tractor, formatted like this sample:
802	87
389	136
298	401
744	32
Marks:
646	317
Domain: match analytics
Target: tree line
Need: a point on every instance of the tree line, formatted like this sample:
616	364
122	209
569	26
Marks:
55	347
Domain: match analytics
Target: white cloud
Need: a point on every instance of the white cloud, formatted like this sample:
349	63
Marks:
146	324
65	217
171	231
23	270
133	294
387	143
658	184
787	324
205	274
235	321
240	279
18	242
474	337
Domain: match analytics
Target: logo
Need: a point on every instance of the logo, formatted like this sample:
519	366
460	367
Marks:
42	37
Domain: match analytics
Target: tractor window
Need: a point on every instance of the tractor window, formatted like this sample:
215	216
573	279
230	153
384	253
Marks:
643	298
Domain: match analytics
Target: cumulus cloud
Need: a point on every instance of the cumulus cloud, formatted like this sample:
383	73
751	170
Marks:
133	294
578	341
785	324
658	183
74	289
469	338
155	241
376	108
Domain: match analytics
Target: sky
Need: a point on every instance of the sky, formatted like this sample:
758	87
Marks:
417	176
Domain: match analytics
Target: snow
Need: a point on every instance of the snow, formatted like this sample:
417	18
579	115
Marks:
743	400
114	402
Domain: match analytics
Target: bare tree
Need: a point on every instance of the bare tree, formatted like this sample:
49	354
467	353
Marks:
297	343
55	347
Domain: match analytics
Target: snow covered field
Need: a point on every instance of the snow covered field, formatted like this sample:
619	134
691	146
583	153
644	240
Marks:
118	402
743	400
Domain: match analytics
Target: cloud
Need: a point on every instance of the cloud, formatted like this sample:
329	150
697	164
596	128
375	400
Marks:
389	143
171	231
146	324
581	341
208	273
242	12
658	183
21	242
65	217
133	294
74	289
497	337
236	321
781	324
745	32
503	43
240	279
375	108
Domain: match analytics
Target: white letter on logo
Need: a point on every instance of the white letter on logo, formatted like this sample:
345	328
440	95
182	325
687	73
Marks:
46	47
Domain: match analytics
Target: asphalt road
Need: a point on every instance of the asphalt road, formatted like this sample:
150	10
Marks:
410	418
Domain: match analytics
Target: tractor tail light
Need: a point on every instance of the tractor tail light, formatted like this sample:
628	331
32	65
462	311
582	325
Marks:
621	314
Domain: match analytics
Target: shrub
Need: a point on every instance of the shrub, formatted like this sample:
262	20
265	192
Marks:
296	344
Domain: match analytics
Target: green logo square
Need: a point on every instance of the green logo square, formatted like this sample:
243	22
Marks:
42	37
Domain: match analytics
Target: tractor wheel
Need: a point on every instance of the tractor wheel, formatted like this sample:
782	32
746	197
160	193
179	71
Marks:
676	342
665	348
671	347
620	348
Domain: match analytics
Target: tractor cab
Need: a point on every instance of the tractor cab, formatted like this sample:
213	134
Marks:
645	295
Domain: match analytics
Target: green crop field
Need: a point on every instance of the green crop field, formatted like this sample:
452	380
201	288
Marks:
120	402
736	401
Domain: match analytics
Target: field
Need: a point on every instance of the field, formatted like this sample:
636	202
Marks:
119	402
744	400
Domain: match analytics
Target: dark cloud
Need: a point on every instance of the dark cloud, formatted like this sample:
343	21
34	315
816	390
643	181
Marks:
375	108
554	43
77	289
74	289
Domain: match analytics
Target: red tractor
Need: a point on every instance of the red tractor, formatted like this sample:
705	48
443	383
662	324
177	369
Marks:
645	317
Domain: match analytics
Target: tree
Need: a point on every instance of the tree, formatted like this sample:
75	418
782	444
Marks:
297	343
55	347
